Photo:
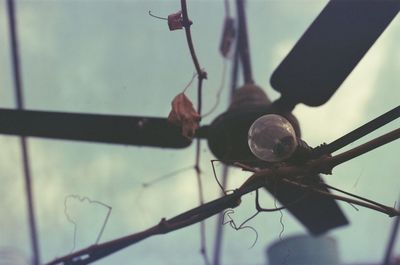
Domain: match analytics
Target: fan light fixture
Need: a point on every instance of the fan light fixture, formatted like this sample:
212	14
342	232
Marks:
272	138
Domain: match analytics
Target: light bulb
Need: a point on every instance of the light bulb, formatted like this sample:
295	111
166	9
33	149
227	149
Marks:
272	138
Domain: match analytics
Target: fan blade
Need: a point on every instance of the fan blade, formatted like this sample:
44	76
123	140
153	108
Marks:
131	130
330	49
317	213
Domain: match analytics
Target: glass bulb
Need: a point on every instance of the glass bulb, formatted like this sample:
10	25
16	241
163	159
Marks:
272	138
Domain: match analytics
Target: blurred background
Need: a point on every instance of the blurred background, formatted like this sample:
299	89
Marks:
111	57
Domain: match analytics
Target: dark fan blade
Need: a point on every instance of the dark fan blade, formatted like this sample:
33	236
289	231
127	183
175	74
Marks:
330	49
317	213
141	131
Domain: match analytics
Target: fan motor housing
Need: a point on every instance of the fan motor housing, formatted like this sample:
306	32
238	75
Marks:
228	134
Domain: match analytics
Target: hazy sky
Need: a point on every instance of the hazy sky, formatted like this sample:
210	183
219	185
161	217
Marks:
112	57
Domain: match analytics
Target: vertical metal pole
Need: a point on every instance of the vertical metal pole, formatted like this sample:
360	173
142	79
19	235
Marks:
243	42
219	232
392	240
24	146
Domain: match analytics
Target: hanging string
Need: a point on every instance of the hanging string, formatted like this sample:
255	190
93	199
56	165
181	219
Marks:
166	176
190	83
221	87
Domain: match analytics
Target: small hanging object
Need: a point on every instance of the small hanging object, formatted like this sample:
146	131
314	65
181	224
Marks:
228	36
175	21
184	115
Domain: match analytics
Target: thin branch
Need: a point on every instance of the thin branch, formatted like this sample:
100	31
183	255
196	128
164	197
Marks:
245	167
188	218
186	24
386	210
357	133
369	146
324	164
355	196
203	249
259	179
199	95
201	75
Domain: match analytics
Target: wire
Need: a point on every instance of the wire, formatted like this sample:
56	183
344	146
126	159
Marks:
221	87
18	87
165	176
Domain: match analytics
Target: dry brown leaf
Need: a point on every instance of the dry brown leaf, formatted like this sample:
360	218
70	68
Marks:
184	115
175	21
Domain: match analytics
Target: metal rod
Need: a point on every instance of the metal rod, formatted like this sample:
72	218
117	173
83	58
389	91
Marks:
387	210
220	218
219	232
18	87
364	148
235	73
392	240
357	133
244	43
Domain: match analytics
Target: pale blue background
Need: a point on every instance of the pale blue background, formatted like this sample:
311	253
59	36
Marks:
111	57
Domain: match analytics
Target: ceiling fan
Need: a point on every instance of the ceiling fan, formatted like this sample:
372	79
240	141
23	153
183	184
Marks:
310	74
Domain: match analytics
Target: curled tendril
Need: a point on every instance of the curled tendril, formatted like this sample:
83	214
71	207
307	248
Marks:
231	222
150	14
73	222
229	191
280	221
215	176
